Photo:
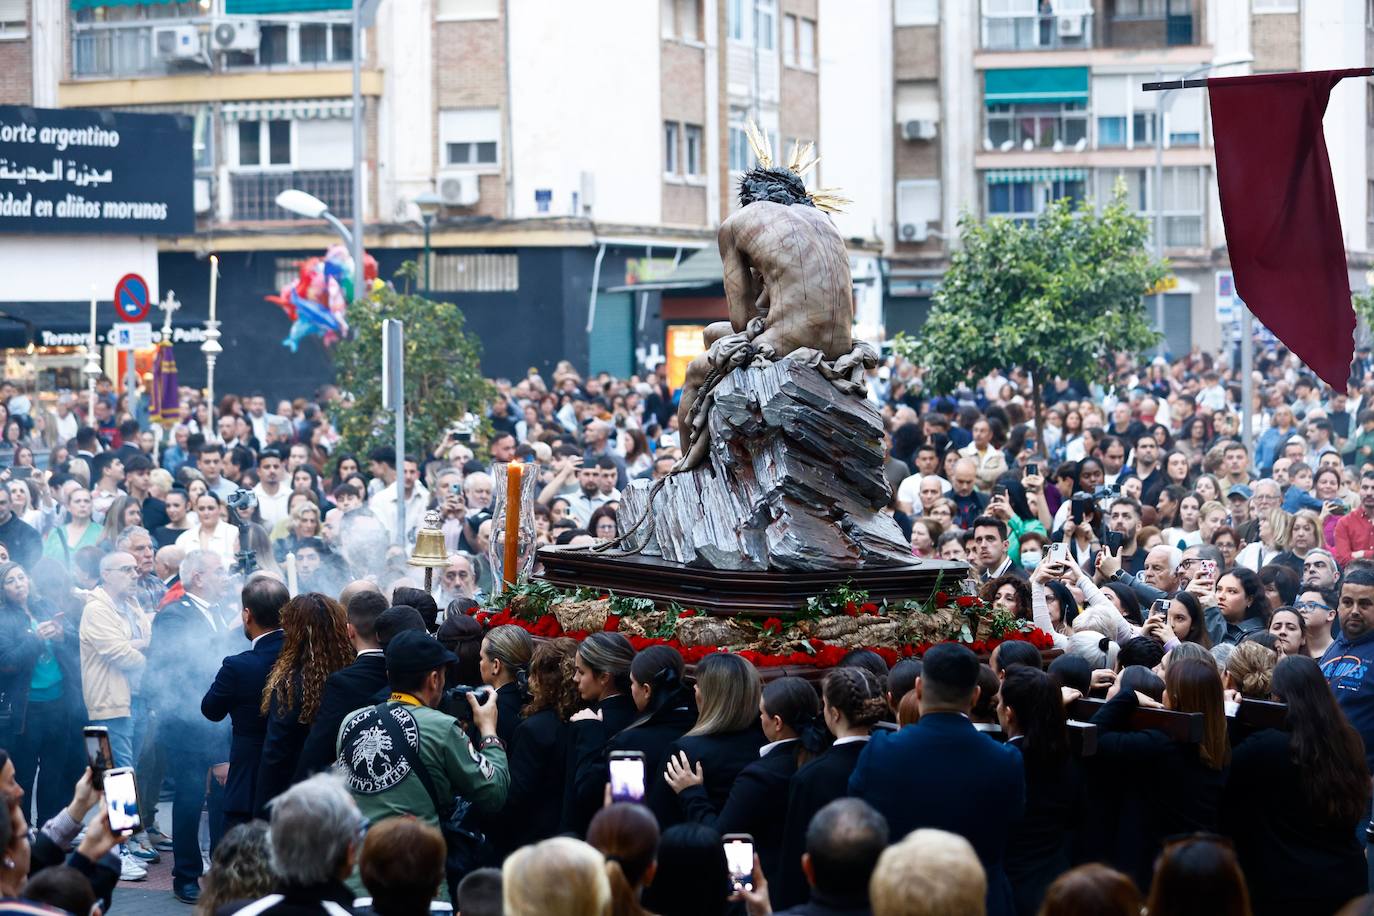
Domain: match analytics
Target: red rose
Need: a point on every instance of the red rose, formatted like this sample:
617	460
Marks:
941	599
772	625
816	642
851	609
868	607
686	613
966	601
612	623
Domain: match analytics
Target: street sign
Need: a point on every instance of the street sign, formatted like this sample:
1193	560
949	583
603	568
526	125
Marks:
131	298
132	336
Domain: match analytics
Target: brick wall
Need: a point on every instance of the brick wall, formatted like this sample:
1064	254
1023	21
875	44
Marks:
916	52
684	205
1275	38
799	111
914	158
16	72
683	83
470	72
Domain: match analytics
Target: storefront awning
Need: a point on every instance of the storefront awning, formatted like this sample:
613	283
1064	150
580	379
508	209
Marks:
92	4
270	7
699	270
289	109
1013	176
1035	85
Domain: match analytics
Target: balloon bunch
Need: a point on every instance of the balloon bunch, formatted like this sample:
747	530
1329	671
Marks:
317	301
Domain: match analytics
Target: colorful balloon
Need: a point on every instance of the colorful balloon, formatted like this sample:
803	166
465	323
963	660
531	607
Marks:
317	302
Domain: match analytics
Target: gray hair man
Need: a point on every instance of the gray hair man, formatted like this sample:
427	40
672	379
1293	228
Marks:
114	636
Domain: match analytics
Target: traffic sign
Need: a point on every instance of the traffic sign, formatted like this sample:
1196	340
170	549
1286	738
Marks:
131	298
132	336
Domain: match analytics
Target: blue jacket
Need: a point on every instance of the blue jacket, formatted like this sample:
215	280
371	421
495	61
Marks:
236	693
1347	665
973	786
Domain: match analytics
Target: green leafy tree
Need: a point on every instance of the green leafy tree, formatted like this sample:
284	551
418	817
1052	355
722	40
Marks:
1363	302
1058	297
443	378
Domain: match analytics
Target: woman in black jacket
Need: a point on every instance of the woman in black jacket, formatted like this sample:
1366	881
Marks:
1167	787
1295	799
726	738
601	673
757	803
667	711
538	749
1031	711
852	702
504	662
40	688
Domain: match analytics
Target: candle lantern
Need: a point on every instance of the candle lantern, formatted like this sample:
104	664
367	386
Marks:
512	546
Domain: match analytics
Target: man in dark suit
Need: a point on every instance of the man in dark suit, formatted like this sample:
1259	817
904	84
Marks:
237	692
178	663
988	550
348	688
973	785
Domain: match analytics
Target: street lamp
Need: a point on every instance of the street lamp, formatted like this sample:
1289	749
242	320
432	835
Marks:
311	207
1162	107
429	204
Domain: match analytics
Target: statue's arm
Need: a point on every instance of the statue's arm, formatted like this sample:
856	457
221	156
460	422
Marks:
739	285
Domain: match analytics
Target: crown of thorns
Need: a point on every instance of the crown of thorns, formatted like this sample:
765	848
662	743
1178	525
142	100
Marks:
784	184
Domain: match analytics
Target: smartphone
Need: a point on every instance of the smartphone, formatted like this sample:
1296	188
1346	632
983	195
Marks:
999	492
18	473
1032	470
968	587
627	776
121	801
1059	552
1082	503
98	753
1207	568
1160	608
1113	540
739	859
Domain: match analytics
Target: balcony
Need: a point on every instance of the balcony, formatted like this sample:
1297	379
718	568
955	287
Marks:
114	50
1150	24
254	194
1031	31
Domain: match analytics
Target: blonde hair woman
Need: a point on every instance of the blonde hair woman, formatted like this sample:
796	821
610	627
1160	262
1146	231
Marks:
1275	531
558	877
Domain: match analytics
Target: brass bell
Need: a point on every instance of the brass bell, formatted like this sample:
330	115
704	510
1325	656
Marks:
429	551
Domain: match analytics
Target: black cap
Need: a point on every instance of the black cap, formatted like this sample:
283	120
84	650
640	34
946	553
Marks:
395	620
415	651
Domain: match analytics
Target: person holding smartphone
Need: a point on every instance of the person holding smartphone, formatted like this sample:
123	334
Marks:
40	673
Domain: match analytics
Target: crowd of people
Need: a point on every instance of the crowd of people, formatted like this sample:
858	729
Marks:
227	603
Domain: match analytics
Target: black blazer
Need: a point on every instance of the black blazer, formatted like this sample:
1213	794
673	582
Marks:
757	804
586	748
723	756
652	739
818	783
236	693
1163	786
179	664
536	758
281	750
1279	835
344	691
509	702
1040	846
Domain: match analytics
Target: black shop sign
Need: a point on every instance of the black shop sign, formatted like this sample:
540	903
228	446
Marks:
76	170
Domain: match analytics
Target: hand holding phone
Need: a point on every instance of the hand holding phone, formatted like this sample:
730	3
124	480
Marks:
627	776
739	860
99	754
1160	607
121	801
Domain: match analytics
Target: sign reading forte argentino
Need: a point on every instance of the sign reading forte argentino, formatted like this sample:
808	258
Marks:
75	170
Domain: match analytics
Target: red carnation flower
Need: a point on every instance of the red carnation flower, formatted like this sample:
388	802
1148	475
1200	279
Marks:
772	625
868	607
941	599
612	623
689	612
851	609
966	601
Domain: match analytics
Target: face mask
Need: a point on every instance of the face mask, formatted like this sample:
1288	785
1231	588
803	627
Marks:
1030	558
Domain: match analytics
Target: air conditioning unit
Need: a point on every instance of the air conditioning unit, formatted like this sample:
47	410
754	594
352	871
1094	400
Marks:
918	130
176	42
236	35
458	189
1070	26
913	232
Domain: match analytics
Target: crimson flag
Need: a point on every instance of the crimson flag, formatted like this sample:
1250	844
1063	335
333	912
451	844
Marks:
1279	206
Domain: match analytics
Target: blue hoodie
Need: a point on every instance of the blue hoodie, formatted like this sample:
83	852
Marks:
1348	665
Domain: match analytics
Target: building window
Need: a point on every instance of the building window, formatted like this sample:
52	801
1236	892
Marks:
806	43
789	40
735	22
1143	128
1139	9
1276	6
681	19
13	19
741	159
918	207
692	135
467	9
1184	197
765	20
470	137
670	147
917	12
264	143
1042	124
476	273
275	46
325	43
1025	198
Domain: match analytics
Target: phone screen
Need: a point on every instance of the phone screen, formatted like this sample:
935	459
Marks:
627	779
98	752
739	859
21	473
121	800
1160	608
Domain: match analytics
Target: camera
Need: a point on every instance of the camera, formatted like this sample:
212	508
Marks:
455	701
242	500
462	430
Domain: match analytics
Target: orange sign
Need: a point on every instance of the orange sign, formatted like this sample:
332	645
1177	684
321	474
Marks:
685	343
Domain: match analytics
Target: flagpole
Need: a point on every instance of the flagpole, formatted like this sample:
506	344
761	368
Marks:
211	348
92	368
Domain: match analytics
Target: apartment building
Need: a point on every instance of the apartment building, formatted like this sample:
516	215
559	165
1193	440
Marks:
580	153
1002	106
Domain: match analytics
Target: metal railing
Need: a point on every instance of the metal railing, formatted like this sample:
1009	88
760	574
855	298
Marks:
1034	32
117	50
254	194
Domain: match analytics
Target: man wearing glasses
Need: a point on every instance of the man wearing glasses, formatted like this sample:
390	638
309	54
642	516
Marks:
114	638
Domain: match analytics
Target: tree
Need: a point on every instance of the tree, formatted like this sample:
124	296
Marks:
443	378
1057	297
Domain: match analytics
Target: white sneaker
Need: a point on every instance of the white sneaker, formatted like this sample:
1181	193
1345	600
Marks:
130	869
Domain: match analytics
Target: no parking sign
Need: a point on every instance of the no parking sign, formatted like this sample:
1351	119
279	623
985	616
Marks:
131	298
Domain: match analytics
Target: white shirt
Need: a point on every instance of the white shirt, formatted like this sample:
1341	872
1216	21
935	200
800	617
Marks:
383	505
254	643
850	740
224	541
768	748
273	508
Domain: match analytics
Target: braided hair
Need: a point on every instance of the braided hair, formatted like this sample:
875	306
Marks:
856	695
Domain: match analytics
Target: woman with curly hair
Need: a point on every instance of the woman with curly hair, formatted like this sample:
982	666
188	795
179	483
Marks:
538	748
1010	594
240	869
315	645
